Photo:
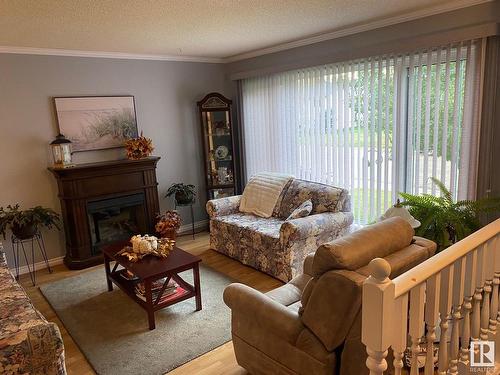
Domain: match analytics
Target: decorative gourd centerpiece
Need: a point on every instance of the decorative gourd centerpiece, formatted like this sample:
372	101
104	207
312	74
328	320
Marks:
146	245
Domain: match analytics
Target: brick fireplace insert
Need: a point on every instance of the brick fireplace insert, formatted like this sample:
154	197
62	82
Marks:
104	203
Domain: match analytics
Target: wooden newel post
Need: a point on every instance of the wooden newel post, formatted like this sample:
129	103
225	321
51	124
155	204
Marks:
377	315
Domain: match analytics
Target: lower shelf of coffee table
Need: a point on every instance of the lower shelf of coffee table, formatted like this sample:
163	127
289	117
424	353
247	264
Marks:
128	286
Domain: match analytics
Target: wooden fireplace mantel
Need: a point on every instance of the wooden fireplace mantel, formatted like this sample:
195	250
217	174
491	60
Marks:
83	183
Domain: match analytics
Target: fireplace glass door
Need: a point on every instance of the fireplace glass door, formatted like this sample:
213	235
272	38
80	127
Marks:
116	219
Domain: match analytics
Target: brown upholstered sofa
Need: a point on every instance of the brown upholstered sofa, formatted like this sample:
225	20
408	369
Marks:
28	343
312	325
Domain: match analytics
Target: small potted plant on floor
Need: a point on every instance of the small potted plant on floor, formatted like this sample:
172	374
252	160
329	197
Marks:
26	223
183	193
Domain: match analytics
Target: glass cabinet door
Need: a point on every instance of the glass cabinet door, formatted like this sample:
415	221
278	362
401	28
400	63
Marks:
219	148
218	145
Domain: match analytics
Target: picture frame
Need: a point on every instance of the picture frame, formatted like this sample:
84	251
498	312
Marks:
96	122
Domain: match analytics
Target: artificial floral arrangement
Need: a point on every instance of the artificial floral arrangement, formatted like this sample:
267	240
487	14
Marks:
139	148
25	223
443	220
168	224
183	193
145	245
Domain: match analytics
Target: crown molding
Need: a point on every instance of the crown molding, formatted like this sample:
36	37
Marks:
107	55
438	9
458	4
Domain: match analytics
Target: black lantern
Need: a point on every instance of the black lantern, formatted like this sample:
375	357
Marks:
61	151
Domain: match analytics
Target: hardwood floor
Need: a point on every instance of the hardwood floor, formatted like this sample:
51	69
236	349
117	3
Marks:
219	361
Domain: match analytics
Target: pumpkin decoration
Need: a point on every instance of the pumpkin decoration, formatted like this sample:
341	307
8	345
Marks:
145	245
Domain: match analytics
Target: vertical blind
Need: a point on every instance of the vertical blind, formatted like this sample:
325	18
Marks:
376	126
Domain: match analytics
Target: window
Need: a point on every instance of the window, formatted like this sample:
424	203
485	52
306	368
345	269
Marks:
376	126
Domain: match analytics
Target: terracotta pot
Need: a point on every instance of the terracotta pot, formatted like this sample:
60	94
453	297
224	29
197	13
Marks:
24	231
171	233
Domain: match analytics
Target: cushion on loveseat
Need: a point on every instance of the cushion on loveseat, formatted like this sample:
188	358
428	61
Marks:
325	198
265	226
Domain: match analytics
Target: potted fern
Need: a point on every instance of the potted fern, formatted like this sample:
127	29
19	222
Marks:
183	193
444	220
25	223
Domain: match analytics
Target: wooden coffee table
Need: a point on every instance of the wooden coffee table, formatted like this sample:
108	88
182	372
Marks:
149	269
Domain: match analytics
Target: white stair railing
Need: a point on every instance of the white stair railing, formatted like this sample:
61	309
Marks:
456	292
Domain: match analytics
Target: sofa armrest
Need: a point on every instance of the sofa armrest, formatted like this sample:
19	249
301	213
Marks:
39	348
267	313
308	264
223	206
314	225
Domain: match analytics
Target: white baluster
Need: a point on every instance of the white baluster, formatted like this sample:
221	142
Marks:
444	311
417	298
377	315
496	250
400	332
470	277
478	294
494	293
376	361
488	282
457	298
431	317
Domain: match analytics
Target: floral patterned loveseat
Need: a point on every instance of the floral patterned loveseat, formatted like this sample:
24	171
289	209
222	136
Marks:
275	245
28	343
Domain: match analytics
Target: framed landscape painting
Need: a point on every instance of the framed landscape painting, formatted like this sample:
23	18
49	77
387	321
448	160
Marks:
97	122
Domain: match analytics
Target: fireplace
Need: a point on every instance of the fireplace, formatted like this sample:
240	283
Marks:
116	219
104	203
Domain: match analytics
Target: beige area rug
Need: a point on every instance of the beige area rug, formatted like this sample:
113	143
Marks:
112	330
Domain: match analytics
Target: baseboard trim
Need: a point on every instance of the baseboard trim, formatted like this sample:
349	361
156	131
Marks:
39	265
184	229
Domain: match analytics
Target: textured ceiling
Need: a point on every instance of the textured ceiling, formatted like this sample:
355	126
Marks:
205	28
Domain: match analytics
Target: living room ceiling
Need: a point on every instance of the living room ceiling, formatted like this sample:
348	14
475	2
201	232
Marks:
210	29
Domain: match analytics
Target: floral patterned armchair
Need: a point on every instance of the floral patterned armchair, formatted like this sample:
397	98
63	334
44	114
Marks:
275	245
28	343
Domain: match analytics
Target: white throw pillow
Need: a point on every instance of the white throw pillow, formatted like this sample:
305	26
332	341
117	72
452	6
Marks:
262	192
302	211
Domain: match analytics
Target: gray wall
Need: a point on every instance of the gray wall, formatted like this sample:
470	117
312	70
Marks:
466	23
165	95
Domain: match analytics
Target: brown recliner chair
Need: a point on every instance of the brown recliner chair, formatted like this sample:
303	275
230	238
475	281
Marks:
312	325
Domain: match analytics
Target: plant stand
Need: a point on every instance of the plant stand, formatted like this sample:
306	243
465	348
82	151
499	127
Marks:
176	204
18	244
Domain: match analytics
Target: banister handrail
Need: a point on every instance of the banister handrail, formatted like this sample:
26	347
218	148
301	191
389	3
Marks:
435	264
